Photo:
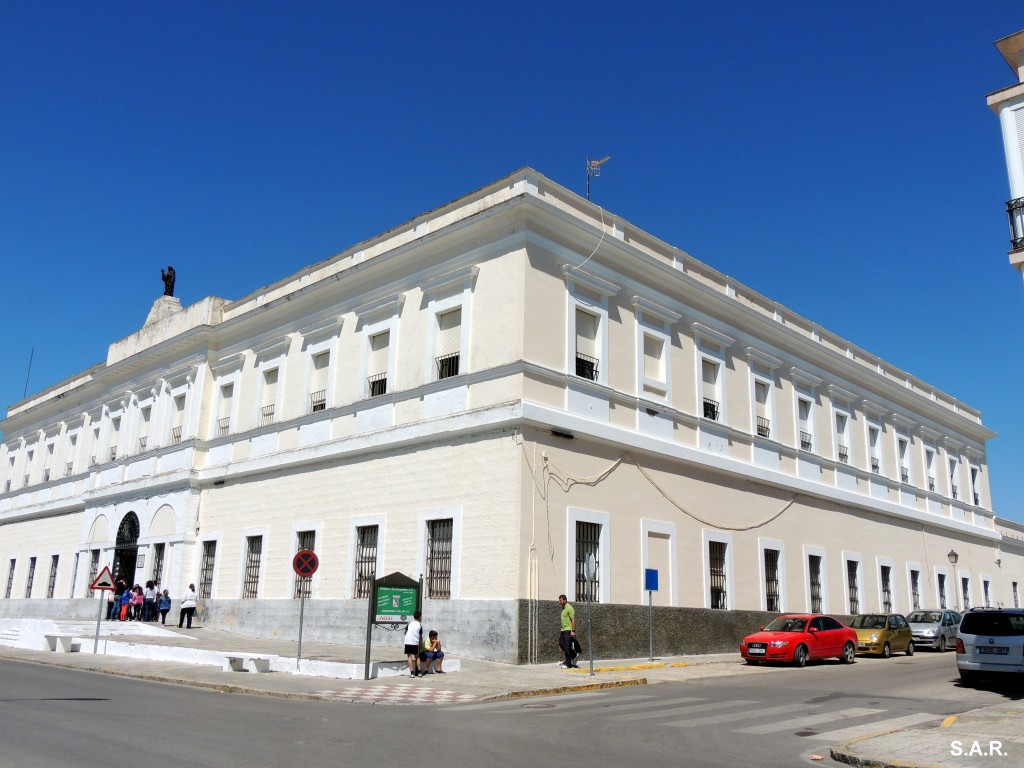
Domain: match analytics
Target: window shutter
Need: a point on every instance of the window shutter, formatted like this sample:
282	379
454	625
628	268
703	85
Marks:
450	336
653	368
586	333
379	353
320	365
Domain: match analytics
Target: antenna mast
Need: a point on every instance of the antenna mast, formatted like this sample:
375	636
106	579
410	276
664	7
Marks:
594	169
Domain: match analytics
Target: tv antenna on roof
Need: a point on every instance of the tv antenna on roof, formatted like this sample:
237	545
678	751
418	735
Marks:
594	169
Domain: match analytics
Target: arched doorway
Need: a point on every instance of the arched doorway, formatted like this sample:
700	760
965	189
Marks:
126	549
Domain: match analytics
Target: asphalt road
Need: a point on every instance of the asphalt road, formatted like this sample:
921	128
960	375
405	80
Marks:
58	717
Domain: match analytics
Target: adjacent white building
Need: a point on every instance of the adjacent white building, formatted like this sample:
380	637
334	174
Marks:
487	395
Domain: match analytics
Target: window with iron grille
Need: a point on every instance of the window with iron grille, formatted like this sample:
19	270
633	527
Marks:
931	484
853	589
227	394
377	380
1016	595
876	466
763	427
710	409
449	343
915	590
804	414
318	382
318	401
985	593
10	579
179	419
31	576
158	563
886	589
805	441
942	590
762	406
773	600
304	585
253	555
588	542
74	575
365	561
94	569
814	570
965	584
587	361
716	574
904	475
51	582
268	403
439	558
844	453
710	388
206	569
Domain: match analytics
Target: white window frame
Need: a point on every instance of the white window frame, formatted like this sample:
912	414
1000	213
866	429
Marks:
726	538
265	558
425	516
441	306
599	311
875	452
371	330
952	601
819	552
842	437
648	527
218	560
647	387
961	575
903	459
574	515
954	476
380	521
929	467
802	397
780	547
921	587
225	372
888	562
769	404
856	558
318	529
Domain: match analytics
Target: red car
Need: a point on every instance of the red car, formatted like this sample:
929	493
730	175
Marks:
798	637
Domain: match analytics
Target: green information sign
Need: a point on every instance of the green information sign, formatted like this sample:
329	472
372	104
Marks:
395	605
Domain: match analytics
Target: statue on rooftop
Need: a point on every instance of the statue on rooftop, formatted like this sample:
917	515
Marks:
168	278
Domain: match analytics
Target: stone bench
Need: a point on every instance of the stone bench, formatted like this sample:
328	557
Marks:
247	662
60	643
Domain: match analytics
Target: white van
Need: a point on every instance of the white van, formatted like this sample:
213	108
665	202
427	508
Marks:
990	642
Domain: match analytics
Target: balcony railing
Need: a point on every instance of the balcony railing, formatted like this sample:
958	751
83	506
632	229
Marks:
223	426
176	435
1015	213
378	384
69	468
844	453
113	454
447	365
710	409
46	475
953	489
805	441
142	444
977	500
763	427
876	465
318	401
904	475
266	415
586	366
931	484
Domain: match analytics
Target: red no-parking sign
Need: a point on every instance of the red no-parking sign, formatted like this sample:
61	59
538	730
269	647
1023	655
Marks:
305	563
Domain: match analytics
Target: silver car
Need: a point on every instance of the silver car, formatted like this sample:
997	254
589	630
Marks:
934	629
990	643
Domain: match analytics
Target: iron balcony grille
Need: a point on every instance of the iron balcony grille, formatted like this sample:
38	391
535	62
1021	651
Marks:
931	484
92	461
206	569
876	466
953	488
854	592
771	580
378	384
25	484
1015	213
223	425
805	441
710	409
844	453
588	542
439	559
318	401
448	366
266	415
176	435
69	468
716	572
763	427
142	444
977	500
904	475
253	555
586	366
113	454
366	560
46	475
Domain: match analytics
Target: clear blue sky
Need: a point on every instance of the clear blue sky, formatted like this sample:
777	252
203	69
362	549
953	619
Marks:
837	157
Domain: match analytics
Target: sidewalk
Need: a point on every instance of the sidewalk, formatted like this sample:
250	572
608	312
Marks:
990	736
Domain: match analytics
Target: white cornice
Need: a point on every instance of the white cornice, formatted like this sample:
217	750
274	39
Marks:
316	331
389	304
902	421
952	444
872	408
836	393
273	348
465	275
800	376
600	286
768	361
655	310
228	364
928	433
717	338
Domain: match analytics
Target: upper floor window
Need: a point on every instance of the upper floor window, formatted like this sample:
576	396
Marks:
318	382
954	488
805	423
929	469
177	419
449	343
377	380
224	409
842	437
268	397
654	365
903	449
762	407
115	436
711	388
874	448
975	491
587	360
144	418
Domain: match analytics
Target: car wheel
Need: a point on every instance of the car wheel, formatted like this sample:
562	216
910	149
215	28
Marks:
800	656
849	654
942	644
886	651
910	649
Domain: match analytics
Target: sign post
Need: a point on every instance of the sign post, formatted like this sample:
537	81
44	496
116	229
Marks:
651	585
590	572
104	582
304	564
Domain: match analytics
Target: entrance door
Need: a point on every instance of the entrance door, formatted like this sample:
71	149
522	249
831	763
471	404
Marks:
126	549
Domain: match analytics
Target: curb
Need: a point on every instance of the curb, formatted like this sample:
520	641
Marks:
843	753
565	689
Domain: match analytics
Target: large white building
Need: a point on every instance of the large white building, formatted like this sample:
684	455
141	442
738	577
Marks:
486	395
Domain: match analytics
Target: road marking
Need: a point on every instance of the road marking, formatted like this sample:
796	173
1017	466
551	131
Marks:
845	734
526	700
621	707
734	716
803	722
681	710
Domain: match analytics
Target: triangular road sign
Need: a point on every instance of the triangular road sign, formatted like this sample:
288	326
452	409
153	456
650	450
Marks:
105	580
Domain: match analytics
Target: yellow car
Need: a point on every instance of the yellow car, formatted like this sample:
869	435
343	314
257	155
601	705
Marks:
883	634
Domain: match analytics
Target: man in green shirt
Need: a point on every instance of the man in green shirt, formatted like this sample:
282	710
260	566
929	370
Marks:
567	634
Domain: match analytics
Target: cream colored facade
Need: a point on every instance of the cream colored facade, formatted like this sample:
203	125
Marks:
550	373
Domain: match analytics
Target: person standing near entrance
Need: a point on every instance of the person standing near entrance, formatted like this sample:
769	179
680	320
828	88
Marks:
413	638
188	606
567	634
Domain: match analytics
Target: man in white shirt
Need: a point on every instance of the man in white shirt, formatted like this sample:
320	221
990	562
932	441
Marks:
413	638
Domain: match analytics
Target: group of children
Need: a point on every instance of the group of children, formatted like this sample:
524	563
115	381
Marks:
422	652
135	604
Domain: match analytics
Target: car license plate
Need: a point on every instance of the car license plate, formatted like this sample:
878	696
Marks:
995	650
756	651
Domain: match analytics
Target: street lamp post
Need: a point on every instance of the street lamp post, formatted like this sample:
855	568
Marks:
953	558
